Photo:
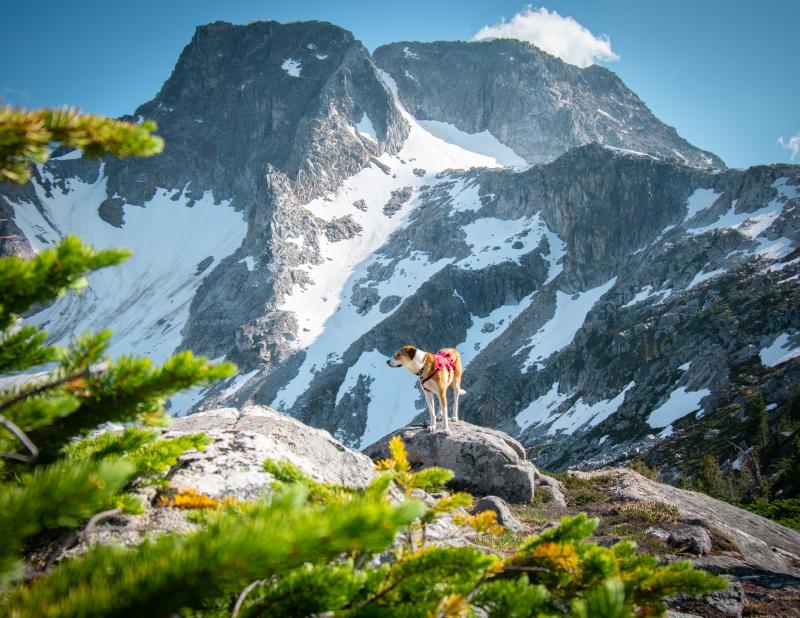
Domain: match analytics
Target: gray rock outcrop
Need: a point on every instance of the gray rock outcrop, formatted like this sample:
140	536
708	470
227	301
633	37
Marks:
485	461
243	439
762	543
691	539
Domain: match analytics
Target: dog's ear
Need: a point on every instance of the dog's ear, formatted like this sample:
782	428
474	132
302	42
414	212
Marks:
411	351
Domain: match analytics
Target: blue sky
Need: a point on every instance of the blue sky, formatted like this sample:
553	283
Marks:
723	73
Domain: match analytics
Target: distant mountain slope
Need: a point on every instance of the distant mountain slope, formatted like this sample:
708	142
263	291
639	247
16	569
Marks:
303	223
531	101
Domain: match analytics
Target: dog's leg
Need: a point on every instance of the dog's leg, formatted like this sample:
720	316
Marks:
431	409
456	393
442	393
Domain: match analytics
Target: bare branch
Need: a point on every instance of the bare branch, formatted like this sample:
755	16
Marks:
240	601
22	437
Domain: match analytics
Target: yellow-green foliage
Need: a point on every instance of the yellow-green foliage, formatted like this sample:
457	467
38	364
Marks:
26	136
193	499
286	472
484	522
397	465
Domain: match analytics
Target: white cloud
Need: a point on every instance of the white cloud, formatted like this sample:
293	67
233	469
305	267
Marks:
793	145
560	36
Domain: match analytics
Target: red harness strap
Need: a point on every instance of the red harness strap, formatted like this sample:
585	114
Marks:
441	360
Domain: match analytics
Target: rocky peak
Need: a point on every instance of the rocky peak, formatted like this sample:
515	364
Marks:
529	100
243	99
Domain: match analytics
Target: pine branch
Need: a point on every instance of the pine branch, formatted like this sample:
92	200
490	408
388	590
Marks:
26	282
24	348
184	571
26	137
55	496
129	389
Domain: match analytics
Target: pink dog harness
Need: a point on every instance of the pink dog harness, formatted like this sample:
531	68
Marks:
441	360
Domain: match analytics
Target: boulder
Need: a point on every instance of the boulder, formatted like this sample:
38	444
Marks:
691	539
242	439
485	461
729	602
551	486
504	515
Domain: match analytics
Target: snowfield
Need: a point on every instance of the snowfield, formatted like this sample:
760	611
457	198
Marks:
146	299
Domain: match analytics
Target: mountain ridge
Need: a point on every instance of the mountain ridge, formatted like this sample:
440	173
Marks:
305	223
532	101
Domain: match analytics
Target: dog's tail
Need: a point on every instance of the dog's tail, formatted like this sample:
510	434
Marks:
461	391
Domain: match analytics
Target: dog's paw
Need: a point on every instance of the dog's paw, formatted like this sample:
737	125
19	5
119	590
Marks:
447	431
431	428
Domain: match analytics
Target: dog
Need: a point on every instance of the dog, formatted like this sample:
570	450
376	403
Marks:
436	372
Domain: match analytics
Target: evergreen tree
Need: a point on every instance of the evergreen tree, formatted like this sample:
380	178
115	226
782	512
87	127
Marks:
47	479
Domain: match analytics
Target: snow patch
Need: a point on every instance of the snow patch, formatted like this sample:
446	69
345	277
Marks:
680	403
292	67
238	382
779	351
250	262
753	224
637	153
609	116
484	142
640	296
540	409
701	276
494	241
71	155
700	200
146	298
558	333
486	329
366	128
581	414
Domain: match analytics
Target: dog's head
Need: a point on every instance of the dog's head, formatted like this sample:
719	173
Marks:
409	357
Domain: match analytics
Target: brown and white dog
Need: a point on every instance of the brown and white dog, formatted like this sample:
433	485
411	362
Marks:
436	373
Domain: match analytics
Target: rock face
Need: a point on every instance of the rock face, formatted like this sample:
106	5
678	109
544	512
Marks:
691	539
485	461
761	543
531	101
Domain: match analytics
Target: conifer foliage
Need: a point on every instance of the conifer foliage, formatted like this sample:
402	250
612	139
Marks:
308	548
50	478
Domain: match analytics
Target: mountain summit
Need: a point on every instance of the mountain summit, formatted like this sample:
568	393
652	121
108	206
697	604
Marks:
531	101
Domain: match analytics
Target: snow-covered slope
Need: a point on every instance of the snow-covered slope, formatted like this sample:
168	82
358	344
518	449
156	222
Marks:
146	300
